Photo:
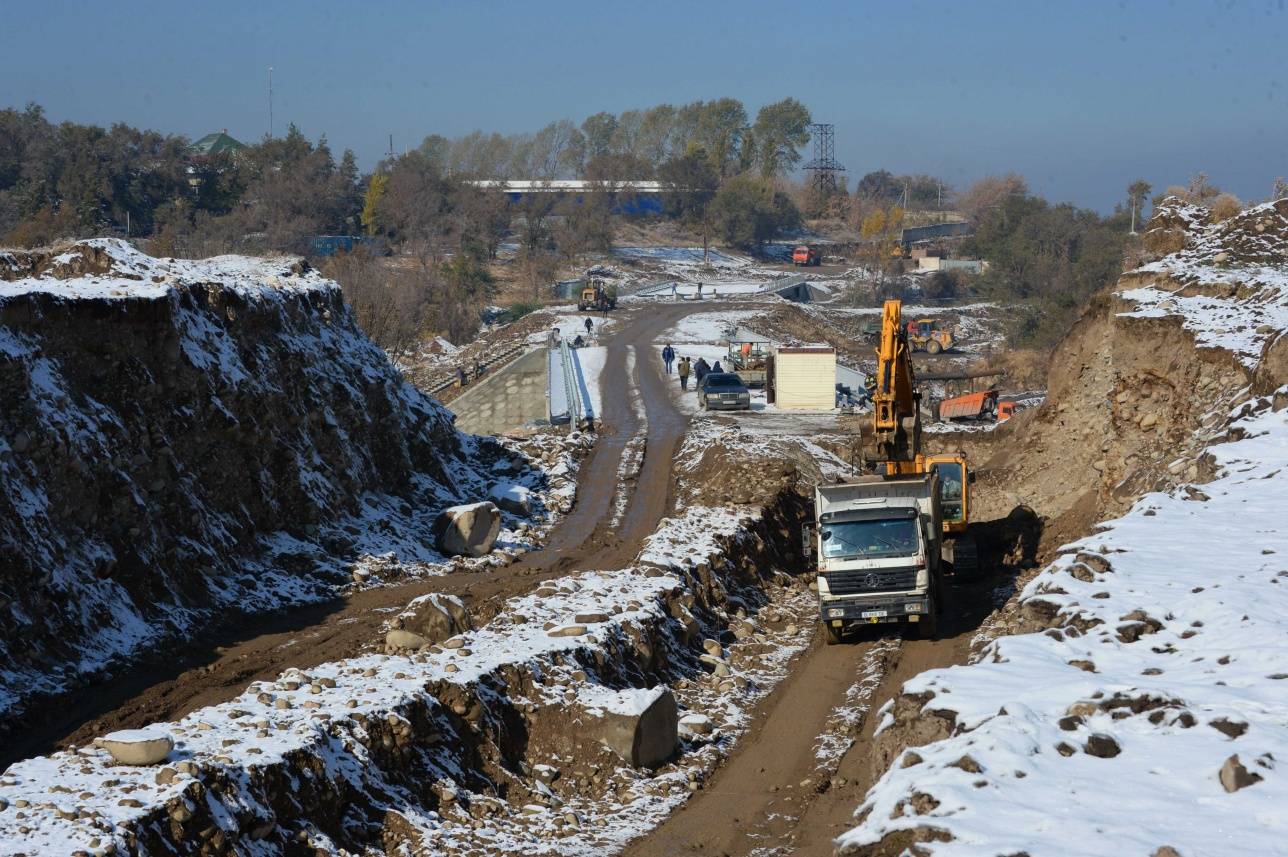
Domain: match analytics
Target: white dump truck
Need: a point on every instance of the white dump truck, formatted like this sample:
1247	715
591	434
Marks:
877	542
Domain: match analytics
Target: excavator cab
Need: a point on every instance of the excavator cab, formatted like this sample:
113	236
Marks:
955	479
954	490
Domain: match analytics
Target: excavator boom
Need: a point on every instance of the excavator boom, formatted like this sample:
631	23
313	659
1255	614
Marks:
896	414
896	424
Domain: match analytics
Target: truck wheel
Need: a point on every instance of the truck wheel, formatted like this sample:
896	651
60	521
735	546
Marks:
928	627
831	634
933	347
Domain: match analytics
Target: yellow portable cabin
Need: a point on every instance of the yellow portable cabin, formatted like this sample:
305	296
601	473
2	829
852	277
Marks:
805	378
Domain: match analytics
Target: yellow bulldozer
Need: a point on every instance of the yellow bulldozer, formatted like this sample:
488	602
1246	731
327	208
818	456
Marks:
926	335
597	296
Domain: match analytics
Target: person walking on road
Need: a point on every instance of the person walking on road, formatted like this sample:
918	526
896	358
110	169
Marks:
699	290
684	373
673	285
668	357
590	326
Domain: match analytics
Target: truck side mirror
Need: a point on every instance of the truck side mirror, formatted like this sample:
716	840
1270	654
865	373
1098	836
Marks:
807	541
971	477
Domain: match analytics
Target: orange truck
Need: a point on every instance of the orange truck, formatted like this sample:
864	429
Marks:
983	405
804	256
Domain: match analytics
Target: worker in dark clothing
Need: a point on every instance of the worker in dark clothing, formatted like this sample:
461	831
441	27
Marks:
478	370
461	378
668	357
717	367
578	342
684	373
701	369
590	325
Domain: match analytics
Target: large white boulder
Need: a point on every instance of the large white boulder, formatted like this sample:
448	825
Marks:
137	746
515	499
468	530
641	726
435	617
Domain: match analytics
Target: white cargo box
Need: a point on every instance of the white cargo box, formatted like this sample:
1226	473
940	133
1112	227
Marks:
805	378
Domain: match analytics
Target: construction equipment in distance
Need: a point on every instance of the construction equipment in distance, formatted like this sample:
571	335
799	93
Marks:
983	405
749	361
896	424
924	334
597	296
806	256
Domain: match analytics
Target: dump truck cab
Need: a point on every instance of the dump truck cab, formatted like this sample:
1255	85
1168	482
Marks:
877	542
805	255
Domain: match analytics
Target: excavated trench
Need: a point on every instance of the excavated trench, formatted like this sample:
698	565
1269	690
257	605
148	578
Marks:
459	766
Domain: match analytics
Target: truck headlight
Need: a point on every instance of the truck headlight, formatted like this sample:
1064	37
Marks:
912	607
836	613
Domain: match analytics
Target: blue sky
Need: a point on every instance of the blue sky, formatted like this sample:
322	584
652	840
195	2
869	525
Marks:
1080	97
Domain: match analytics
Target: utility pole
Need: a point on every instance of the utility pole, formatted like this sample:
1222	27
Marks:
270	102
391	147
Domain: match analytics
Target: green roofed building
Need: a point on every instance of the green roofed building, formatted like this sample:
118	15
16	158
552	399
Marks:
216	144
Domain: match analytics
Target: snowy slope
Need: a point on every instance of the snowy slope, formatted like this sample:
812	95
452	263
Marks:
1150	716
1184	665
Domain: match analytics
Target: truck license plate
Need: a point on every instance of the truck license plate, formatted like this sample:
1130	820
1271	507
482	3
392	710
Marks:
873	614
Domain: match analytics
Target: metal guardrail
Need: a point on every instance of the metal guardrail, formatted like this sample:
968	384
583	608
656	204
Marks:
572	391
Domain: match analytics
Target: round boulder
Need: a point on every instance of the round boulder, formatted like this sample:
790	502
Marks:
138	746
468	530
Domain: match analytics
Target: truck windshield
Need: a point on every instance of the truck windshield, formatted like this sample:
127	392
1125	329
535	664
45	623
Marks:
950	489
897	537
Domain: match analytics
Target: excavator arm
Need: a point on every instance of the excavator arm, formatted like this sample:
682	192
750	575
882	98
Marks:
896	414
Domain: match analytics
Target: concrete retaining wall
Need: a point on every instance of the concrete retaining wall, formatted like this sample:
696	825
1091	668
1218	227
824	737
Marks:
507	399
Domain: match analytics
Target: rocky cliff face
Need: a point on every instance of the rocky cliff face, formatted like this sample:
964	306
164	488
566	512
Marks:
182	437
1146	378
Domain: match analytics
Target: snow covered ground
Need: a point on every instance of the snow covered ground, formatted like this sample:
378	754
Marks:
73	801
1239	326
590	368
1089	743
572	324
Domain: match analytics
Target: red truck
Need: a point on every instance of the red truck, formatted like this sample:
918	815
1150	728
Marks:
805	256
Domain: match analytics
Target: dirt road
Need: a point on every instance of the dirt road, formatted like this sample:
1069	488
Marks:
218	666
777	794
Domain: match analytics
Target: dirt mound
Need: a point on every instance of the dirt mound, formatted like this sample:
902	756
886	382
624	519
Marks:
179	438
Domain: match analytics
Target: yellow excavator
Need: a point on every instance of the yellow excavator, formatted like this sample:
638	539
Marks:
896	427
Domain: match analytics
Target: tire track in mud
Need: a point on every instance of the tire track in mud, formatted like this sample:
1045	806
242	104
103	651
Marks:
216	666
777	794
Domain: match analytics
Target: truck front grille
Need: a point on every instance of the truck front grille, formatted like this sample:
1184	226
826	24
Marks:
856	581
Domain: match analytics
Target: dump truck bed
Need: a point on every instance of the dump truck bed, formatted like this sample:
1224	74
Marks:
969	406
